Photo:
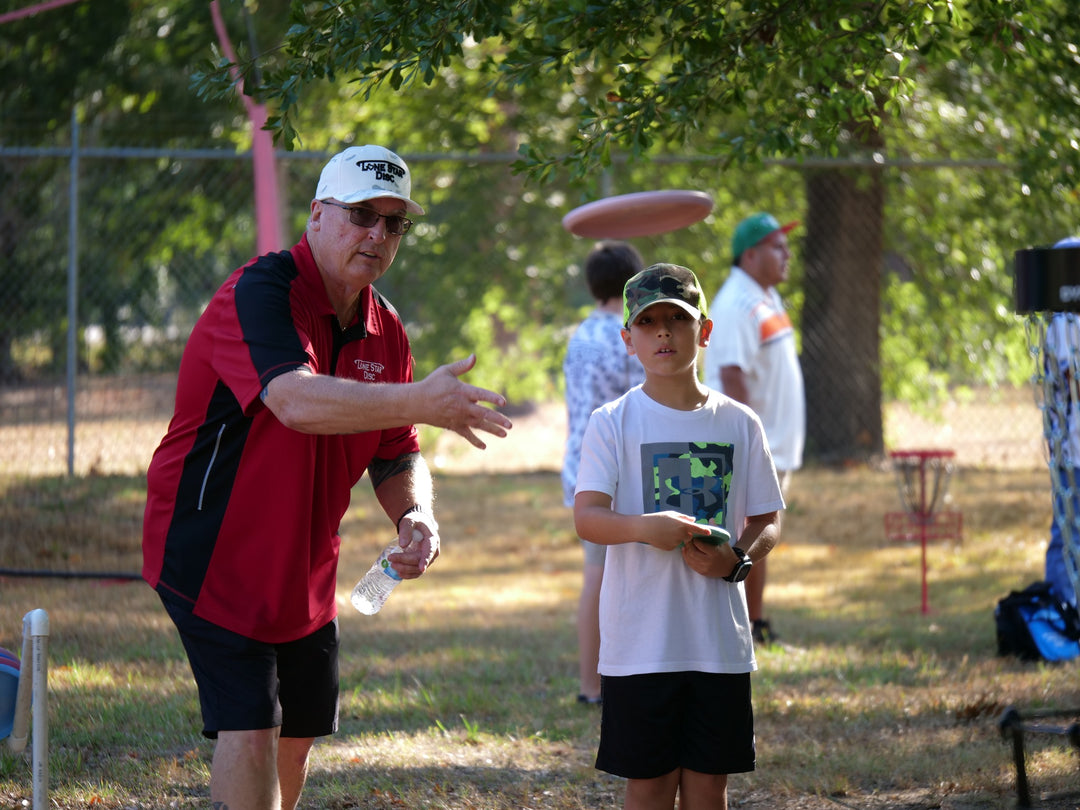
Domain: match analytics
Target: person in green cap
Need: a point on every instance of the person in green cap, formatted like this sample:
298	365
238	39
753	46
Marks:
753	358
676	480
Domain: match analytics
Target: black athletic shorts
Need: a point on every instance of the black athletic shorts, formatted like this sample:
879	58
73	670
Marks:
653	724
246	684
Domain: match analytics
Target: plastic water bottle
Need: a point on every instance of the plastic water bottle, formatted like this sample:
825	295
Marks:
371	592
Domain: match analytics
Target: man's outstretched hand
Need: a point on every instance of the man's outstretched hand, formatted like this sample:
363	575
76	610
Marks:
457	406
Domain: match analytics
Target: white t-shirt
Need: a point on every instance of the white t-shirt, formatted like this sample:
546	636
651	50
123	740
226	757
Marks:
752	330
597	369
656	613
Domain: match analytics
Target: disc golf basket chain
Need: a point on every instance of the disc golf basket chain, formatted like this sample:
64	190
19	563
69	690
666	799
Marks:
922	479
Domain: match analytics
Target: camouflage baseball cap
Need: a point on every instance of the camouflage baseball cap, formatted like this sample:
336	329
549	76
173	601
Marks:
662	282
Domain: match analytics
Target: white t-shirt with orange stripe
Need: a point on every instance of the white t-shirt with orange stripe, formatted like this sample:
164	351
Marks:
752	330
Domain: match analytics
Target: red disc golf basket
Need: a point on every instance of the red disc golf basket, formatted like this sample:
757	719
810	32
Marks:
922	477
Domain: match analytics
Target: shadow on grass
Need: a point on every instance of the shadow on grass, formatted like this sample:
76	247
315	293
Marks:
72	525
460	693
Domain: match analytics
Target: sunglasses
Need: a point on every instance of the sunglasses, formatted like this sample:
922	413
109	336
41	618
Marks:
396	225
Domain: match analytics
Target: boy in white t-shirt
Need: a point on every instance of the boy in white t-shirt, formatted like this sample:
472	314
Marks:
656	464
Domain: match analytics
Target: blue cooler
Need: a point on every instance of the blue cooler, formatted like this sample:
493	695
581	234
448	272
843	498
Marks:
9	685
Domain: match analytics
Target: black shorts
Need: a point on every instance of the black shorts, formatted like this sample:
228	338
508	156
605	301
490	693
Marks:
246	684
653	724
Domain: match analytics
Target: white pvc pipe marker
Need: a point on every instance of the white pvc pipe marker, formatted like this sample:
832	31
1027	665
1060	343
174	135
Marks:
35	651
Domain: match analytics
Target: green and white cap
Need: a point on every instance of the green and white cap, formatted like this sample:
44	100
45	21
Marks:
753	229
670	283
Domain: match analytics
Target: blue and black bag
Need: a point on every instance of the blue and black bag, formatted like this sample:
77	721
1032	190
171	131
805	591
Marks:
1035	625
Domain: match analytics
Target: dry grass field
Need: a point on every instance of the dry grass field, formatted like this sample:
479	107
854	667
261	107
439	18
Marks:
459	695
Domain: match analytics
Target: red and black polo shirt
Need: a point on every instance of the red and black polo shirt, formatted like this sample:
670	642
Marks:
242	513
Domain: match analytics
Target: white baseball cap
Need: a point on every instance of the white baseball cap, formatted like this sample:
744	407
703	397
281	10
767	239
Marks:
365	173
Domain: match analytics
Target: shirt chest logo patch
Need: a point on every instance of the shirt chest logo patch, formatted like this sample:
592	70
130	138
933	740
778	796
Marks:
369	370
693	478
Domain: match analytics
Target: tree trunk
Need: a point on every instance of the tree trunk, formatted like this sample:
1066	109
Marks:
841	313
9	372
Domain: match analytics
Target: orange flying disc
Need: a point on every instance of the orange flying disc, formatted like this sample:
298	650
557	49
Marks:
643	213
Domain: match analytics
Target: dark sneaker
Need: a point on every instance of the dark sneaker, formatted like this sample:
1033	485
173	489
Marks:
763	633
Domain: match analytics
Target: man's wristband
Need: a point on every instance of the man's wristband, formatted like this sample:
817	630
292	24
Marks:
414	508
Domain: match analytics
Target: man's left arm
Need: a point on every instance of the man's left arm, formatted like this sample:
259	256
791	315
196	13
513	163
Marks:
404	488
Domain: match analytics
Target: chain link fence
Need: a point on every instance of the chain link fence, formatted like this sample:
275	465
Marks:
107	257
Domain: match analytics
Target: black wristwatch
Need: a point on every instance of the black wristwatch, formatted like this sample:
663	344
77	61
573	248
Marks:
742	567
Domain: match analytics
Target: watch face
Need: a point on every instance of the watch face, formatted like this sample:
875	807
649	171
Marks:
740	571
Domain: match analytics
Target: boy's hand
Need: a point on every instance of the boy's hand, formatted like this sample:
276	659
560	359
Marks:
669	530
709	560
